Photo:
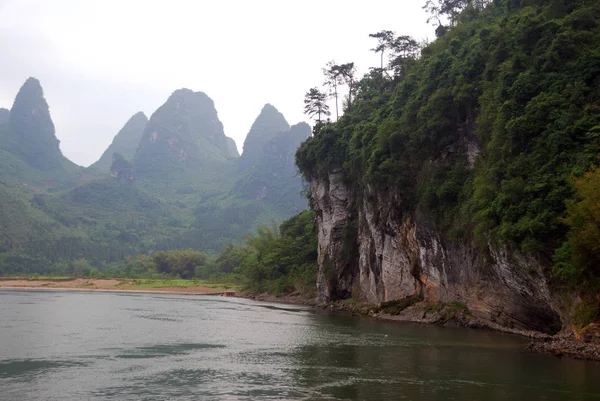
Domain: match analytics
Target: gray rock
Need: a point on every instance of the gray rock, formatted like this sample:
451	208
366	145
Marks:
391	256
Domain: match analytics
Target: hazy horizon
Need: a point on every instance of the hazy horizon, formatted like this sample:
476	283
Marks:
101	63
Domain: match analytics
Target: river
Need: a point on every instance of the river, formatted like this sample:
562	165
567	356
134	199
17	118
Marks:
114	346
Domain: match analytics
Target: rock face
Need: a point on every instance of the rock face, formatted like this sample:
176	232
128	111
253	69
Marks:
4	115
267	125
389	256
31	130
183	132
125	142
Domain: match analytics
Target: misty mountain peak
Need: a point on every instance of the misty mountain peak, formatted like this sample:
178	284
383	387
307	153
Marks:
139	116
184	131
267	125
125	143
274	175
30	100
32	135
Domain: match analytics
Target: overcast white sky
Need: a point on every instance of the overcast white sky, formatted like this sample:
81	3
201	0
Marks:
101	61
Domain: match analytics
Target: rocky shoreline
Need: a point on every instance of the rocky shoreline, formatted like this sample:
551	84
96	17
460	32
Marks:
560	345
567	346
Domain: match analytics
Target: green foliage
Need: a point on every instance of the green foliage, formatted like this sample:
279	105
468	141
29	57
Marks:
579	257
447	310
315	105
121	169
182	263
185	190
586	312
231	257
482	132
278	260
396	307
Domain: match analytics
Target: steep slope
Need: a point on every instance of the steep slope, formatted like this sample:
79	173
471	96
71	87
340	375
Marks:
267	189
4	115
125	142
31	135
183	152
269	123
275	178
449	182
176	191
29	150
185	132
232	148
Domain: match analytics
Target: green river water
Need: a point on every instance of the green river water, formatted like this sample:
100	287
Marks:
114	346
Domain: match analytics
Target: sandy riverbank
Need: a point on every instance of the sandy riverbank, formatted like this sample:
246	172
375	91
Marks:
106	285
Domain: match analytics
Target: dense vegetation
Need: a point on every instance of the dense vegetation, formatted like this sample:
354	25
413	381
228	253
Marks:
278	260
171	182
491	132
516	83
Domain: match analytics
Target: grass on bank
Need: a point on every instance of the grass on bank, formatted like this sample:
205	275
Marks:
163	283
36	277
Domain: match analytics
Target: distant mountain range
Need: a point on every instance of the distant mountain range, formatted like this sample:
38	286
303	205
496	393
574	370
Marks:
172	181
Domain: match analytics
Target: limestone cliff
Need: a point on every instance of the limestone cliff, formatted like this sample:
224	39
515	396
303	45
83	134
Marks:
390	256
31	135
455	180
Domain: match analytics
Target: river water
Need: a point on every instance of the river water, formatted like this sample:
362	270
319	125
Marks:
114	346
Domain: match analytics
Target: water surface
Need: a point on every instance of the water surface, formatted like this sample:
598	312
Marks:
113	346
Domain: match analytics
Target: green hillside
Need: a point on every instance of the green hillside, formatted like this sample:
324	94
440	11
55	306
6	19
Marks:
29	150
125	142
163	183
484	133
267	125
275	176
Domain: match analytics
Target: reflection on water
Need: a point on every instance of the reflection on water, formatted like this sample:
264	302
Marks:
101	346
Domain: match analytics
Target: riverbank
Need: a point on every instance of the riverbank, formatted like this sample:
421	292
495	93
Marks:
448	314
567	346
444	314
112	285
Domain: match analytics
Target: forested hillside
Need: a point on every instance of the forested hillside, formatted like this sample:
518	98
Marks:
174	181
483	137
124	143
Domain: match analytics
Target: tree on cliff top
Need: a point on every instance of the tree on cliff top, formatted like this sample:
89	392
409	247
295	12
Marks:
315	104
384	42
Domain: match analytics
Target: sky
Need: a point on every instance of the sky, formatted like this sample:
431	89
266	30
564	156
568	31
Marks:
101	61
